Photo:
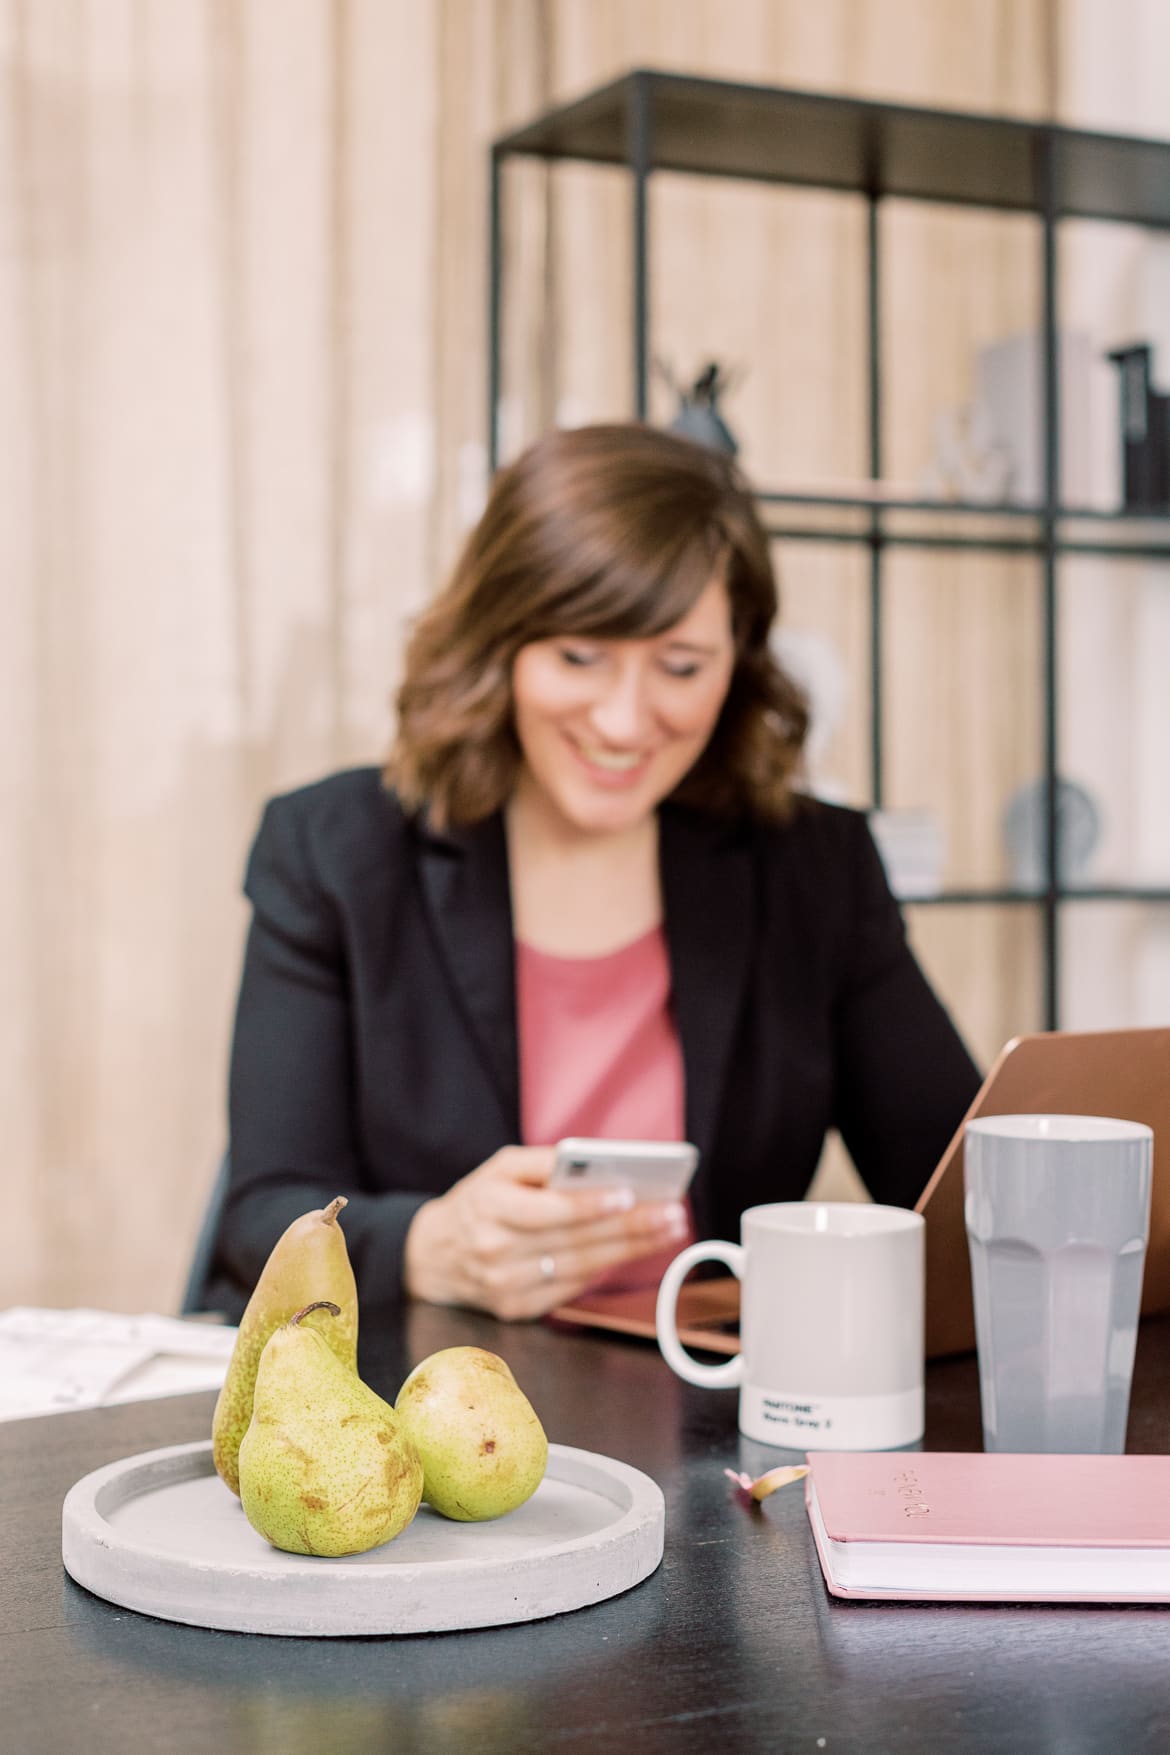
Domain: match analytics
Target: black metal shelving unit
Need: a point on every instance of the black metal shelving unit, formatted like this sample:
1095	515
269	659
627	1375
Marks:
651	121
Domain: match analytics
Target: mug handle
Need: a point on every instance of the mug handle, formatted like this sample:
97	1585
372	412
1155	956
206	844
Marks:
726	1376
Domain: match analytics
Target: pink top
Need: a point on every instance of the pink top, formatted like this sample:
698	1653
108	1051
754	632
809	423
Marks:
600	1055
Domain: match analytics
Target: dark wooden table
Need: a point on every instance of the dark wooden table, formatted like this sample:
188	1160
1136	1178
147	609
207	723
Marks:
732	1645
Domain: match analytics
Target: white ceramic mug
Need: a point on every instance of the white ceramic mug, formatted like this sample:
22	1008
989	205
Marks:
831	1324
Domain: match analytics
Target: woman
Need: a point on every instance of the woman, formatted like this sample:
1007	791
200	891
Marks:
585	897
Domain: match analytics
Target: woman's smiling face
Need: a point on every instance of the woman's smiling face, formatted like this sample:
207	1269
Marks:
608	728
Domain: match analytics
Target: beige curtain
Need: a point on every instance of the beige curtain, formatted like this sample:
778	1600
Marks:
242	307
218	362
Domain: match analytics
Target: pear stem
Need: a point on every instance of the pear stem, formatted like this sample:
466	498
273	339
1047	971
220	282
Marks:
321	1304
330	1212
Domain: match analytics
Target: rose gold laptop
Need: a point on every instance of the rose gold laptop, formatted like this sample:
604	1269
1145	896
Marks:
1122	1073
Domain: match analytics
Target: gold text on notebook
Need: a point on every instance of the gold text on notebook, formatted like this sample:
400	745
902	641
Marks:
909	1489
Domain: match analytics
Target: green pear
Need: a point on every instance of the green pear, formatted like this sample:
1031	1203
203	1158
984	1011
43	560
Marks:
325	1466
483	1449
309	1261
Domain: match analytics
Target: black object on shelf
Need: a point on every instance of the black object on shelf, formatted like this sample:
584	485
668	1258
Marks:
648	121
1145	430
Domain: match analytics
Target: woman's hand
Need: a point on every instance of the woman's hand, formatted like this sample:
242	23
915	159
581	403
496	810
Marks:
503	1241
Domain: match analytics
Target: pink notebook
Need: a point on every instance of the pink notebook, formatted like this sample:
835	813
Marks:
975	1526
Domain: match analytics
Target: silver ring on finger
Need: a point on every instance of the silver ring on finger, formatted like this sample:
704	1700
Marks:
548	1268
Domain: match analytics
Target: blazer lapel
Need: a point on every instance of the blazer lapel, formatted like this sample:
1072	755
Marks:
709	914
709	907
464	875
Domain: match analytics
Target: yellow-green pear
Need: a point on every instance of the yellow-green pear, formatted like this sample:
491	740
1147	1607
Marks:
483	1449
309	1261
325	1466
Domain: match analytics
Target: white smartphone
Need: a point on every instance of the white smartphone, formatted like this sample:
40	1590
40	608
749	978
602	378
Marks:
654	1169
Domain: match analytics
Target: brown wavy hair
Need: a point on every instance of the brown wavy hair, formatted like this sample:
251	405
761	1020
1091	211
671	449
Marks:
609	532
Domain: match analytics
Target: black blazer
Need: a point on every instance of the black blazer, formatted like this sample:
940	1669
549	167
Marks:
375	1041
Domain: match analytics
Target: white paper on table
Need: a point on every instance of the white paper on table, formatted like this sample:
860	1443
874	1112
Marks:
56	1361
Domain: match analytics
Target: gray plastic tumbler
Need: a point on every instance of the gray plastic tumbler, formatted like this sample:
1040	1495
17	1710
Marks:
1058	1215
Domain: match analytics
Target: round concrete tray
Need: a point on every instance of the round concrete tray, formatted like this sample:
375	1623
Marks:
161	1533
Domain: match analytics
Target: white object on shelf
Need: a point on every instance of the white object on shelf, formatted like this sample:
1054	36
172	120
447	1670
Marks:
967	463
161	1534
1009	391
57	1361
912	848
